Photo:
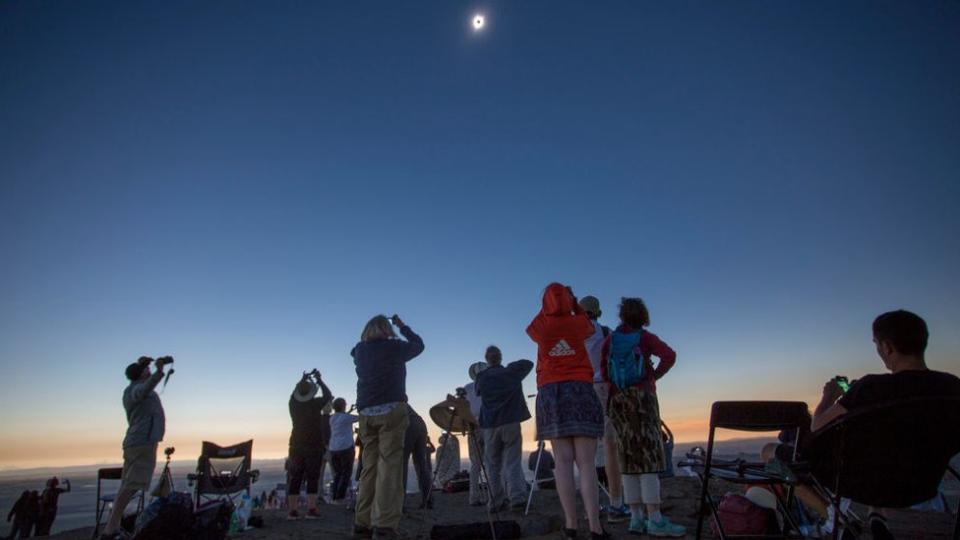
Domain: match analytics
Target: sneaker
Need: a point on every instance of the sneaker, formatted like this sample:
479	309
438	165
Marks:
618	514
665	528
638	525
293	514
313	513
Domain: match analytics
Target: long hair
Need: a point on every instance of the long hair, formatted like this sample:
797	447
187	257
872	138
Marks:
378	327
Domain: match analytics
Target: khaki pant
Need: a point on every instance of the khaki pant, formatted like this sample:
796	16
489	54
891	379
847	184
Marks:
138	465
381	490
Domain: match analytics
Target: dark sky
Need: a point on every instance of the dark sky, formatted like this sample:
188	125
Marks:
243	184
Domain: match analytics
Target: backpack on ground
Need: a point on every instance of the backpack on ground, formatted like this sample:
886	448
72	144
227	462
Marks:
213	520
625	363
167	518
739	515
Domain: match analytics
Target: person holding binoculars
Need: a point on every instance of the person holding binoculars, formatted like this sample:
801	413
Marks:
146	424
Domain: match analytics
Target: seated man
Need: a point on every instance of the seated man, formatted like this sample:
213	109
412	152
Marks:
901	339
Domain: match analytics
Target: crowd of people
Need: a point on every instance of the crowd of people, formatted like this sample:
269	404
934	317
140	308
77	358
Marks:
594	384
33	513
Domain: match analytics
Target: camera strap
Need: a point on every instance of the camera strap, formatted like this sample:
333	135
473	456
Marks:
167	379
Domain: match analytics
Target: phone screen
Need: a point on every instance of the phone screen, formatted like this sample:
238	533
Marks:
843	384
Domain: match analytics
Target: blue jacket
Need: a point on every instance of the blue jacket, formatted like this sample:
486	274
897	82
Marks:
501	390
382	368
146	422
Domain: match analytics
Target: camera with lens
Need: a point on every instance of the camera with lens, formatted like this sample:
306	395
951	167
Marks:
164	360
461	393
169	451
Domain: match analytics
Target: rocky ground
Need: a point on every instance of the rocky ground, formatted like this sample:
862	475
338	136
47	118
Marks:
544	521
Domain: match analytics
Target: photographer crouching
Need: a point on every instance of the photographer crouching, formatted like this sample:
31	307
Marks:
145	428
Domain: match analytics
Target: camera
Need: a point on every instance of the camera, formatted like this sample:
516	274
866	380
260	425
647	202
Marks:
461	393
169	451
163	361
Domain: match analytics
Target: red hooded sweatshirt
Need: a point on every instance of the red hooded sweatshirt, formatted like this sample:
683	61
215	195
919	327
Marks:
559	331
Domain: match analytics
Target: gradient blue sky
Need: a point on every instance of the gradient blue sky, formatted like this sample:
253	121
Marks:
243	184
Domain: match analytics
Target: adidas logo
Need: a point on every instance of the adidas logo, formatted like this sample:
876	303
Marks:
562	349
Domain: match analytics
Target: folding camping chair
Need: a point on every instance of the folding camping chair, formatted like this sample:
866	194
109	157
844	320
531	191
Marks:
889	456
223	472
104	500
750	416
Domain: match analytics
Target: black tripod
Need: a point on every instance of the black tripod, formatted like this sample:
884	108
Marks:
453	415
165	484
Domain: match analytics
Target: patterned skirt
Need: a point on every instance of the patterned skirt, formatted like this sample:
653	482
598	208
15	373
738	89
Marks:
635	414
568	409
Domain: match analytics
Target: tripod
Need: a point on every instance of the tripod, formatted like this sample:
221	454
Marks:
451	416
537	481
165	485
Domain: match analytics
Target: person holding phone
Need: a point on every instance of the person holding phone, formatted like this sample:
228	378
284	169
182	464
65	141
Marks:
900	338
341	448
381	363
307	444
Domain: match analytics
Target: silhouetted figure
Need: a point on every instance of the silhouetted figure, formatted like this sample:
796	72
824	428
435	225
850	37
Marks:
502	410
341	448
18	514
415	443
31	514
307	445
48	505
146	425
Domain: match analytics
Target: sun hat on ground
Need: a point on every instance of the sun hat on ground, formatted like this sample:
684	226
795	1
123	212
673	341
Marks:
762	497
305	391
476	368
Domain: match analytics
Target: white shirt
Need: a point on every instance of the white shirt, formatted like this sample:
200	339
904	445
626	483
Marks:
594	346
341	431
474	399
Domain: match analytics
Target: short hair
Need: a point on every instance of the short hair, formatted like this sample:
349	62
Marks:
905	331
135	370
339	404
633	313
493	351
303	387
378	327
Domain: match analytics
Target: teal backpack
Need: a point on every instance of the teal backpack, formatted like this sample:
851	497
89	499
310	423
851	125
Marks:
625	364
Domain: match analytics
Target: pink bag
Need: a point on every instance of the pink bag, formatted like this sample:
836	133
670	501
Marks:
740	516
